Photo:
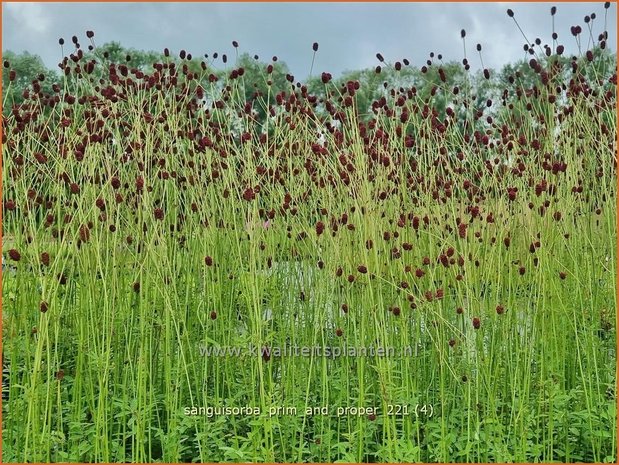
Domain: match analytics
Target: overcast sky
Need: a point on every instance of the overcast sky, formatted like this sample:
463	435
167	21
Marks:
349	34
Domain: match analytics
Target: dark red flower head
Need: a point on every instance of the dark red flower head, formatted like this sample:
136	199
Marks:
84	233
266	353
14	255
249	194
476	323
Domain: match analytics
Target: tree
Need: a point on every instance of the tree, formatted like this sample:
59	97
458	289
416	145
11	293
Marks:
27	68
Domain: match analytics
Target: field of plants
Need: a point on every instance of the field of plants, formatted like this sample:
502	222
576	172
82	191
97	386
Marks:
207	261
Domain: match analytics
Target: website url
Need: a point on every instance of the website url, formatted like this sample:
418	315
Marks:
306	351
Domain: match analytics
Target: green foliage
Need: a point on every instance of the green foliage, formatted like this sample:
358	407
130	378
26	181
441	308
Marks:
27	67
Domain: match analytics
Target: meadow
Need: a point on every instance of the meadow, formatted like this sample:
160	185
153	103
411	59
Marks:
198	267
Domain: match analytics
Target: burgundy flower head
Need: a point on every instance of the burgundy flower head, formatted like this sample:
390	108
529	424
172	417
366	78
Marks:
14	255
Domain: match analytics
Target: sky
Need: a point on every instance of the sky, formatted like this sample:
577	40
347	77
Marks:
349	34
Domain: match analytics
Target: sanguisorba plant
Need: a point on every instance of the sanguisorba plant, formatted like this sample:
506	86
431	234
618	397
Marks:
173	261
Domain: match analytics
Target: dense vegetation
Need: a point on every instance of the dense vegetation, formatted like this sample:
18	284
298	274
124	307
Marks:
157	211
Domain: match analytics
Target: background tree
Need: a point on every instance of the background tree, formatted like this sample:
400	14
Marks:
27	68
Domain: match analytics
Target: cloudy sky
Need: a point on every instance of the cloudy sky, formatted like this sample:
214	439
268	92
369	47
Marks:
349	34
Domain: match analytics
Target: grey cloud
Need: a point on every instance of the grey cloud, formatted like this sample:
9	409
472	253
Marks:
350	34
